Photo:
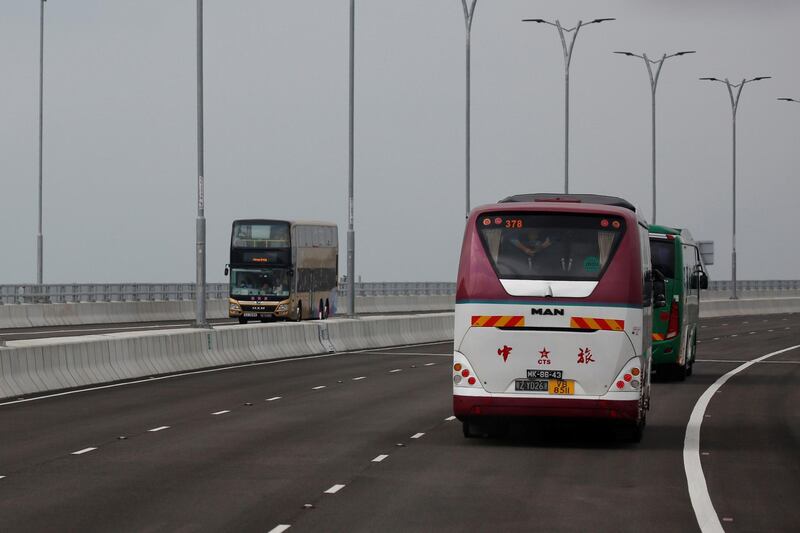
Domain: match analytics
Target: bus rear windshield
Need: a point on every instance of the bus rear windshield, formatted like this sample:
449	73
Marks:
662	254
260	236
550	246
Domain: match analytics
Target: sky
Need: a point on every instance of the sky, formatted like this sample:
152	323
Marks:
120	163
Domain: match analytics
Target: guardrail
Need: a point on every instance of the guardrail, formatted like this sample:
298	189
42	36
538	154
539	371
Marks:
151	292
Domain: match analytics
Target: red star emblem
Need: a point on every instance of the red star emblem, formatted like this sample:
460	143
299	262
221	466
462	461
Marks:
544	353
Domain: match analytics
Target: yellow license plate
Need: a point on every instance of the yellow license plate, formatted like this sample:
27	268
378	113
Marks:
560	386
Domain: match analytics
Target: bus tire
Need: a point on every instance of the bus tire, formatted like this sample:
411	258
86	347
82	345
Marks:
466	429
321	311
327	308
298	312
694	356
242	320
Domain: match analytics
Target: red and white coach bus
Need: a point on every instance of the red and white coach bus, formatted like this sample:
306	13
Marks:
553	312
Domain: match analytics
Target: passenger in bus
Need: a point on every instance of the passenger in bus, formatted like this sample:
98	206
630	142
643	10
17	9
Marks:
524	251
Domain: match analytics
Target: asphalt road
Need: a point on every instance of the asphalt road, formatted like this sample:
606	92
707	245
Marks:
364	442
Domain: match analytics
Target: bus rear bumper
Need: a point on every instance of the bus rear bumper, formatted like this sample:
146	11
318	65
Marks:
472	406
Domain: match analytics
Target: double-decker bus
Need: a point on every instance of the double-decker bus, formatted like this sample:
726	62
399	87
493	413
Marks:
282	269
679	273
553	312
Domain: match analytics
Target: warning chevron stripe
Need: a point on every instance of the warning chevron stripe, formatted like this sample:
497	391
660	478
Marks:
598	324
498	321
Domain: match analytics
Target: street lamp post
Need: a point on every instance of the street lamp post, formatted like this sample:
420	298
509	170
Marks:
200	255
654	76
469	16
351	234
39	234
567	60
734	108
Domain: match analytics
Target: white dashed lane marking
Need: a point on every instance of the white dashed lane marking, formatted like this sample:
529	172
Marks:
159	428
449	419
83	451
395	370
221	412
280	528
359	378
334	489
429	364
318	387
417	435
2	477
274	398
379	458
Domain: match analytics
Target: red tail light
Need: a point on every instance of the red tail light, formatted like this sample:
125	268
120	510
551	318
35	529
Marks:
672	329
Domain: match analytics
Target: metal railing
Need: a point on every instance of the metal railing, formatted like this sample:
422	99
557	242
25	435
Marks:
151	292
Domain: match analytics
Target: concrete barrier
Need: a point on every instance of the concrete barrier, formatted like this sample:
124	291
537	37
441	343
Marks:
46	365
754	306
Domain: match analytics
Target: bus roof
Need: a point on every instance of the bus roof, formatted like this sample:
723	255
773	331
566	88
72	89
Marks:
290	222
684	234
598	199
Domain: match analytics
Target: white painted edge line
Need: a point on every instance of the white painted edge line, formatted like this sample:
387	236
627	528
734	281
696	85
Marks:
280	528
318	387
159	428
734	361
380	458
417	435
359	378
274	398
395	370
707	517
83	451
221	412
206	371
334	489
449	418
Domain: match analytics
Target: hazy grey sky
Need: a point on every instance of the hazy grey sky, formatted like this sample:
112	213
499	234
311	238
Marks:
120	161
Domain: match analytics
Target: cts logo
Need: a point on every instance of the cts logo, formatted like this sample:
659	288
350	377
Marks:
547	312
505	351
545	359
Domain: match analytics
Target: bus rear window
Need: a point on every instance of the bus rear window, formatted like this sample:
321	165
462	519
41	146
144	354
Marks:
550	246
662	254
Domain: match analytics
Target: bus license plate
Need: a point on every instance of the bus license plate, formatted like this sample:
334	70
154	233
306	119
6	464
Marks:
560	386
545	374
250	315
530	385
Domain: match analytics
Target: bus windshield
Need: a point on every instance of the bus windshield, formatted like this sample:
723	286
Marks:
550	246
260	236
258	282
662	253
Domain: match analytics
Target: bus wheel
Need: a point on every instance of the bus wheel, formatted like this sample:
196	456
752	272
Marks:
466	429
242	320
298	314
694	356
321	311
327	309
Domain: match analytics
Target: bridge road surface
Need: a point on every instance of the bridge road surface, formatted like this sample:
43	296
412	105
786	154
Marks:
198	457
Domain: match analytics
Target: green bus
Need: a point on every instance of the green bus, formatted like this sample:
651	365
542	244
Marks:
678	277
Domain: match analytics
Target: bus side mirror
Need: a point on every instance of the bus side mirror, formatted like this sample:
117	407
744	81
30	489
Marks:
699	280
226	270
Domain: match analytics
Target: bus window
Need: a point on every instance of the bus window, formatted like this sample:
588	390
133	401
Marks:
663	256
550	246
261	235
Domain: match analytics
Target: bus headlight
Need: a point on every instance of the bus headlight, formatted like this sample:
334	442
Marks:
282	308
236	308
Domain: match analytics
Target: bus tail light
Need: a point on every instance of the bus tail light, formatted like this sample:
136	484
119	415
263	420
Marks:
629	379
463	375
672	329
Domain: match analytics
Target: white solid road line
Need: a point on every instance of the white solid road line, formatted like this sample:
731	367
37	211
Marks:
280	528
221	412
159	428
83	451
274	398
707	517
318	387
379	458
417	435
334	489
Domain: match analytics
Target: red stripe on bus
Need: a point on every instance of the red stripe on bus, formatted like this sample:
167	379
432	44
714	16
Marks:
492	321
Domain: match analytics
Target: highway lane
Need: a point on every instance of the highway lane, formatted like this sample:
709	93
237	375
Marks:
253	467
